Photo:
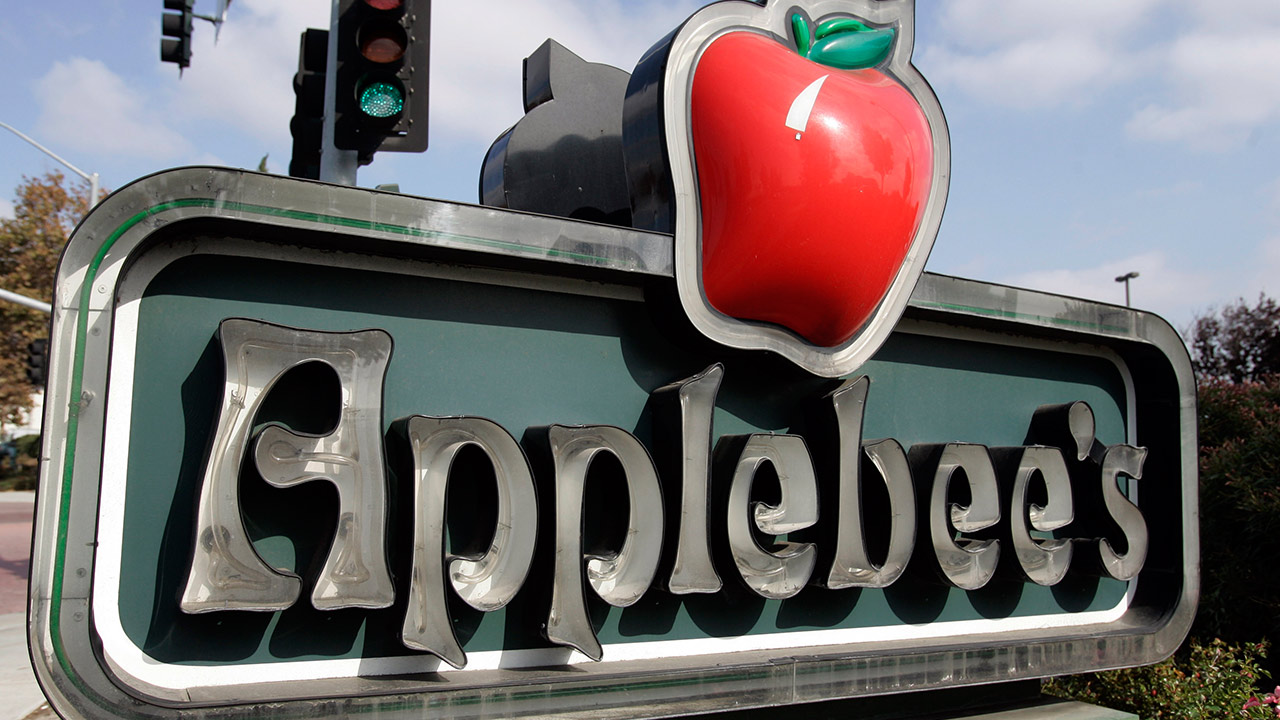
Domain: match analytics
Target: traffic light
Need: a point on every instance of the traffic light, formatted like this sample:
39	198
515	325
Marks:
38	361
383	50
175	46
307	124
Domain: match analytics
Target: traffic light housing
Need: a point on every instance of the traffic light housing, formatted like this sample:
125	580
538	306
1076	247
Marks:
175	27
38	361
307	125
383	53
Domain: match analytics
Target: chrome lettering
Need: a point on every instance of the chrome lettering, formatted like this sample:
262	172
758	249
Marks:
695	399
852	567
966	563
1010	496
782	571
226	572
1127	460
1043	561
619	578
486	581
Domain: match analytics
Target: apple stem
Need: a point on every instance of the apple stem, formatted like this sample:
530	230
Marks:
800	31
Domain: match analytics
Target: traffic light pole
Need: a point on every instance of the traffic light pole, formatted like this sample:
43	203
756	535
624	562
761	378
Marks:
91	177
336	166
24	300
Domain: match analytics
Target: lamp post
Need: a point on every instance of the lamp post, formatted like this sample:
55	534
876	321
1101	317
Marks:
91	177
1125	278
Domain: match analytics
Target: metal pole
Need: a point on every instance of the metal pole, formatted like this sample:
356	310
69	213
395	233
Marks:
91	177
24	300
336	166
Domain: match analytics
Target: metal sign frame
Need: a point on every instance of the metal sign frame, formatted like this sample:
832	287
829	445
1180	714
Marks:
87	669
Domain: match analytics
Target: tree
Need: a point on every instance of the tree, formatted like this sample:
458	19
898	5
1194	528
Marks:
45	212
1239	343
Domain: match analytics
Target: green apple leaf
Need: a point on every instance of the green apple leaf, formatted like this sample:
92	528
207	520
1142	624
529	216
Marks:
800	31
839	25
842	42
853	50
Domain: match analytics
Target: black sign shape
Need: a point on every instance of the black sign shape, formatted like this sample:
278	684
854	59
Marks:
564	157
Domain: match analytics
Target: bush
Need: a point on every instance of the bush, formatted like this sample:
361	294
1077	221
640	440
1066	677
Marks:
1201	681
28	446
1239	510
24	471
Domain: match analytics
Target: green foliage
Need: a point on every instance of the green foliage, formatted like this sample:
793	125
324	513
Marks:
1201	681
30	244
28	446
1239	510
22	473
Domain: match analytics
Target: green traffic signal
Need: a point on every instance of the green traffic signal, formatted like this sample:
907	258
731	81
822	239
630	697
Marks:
381	99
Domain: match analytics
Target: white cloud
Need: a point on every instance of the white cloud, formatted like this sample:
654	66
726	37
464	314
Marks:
88	107
246	80
1160	287
1271	194
6	209
1209	77
1030	54
477	51
1185	188
989	24
1225	85
1266	272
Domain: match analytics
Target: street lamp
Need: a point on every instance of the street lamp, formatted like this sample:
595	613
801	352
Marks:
92	178
1125	278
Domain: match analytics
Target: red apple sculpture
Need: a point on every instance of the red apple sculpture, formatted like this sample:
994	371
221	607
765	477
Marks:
814	169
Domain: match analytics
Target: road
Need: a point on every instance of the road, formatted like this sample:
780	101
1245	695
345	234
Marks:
16	511
21	697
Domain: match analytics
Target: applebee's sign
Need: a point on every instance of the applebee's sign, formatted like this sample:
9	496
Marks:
802	163
317	451
472	470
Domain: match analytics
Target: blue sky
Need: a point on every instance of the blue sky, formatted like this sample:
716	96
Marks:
1089	138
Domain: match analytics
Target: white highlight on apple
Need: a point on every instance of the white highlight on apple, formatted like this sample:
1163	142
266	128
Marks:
802	106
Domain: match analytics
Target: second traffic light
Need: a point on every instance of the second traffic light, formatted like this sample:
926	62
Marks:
175	28
307	125
383	51
38	361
